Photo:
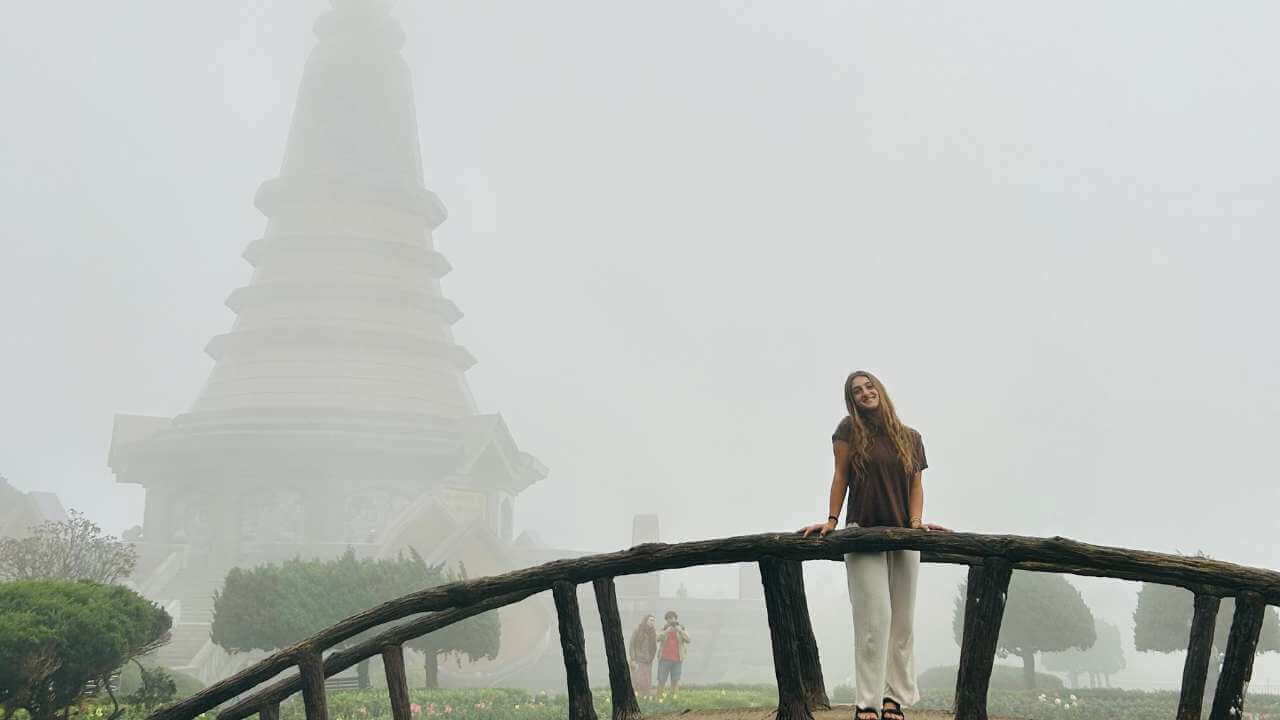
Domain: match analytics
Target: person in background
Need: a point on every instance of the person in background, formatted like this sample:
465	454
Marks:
671	642
644	647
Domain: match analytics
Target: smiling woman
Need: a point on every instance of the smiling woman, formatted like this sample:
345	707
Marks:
878	464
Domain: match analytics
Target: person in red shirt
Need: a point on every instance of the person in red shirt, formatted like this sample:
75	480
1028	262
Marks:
671	642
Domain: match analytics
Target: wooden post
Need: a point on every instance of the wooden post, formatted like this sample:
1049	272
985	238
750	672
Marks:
625	706
397	681
1237	661
573	645
1199	653
983	611
311	668
973	580
269	712
806	643
793	701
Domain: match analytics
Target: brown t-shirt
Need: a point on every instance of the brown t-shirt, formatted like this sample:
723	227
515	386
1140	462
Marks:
879	494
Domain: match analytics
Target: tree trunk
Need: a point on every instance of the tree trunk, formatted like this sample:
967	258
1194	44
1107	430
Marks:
432	666
1029	669
362	674
116	712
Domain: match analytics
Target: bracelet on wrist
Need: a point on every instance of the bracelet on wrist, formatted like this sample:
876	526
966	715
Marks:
833	518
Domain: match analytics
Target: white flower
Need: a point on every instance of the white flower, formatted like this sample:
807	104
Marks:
1057	701
1073	698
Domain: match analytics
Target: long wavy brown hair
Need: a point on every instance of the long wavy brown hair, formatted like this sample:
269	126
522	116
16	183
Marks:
865	424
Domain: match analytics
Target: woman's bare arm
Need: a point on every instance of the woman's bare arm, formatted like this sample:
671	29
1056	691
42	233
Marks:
915	501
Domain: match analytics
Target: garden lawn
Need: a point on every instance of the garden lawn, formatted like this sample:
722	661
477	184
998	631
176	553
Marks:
508	704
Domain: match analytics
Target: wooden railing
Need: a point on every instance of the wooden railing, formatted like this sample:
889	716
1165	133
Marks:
991	560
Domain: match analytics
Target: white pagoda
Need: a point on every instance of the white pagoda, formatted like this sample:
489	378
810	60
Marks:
337	412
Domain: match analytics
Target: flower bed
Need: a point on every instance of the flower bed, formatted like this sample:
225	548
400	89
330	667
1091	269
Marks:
1128	704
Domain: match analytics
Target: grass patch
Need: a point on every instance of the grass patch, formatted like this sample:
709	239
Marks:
512	704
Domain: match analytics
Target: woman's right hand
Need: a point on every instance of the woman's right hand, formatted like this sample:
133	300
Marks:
820	528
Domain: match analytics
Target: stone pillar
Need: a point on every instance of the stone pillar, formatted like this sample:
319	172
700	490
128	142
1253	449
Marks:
644	529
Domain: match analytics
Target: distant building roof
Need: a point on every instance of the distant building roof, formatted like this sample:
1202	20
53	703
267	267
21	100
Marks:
48	506
20	511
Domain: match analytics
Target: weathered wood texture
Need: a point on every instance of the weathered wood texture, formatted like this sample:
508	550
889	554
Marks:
793	697
311	670
1048	555
624	704
573	644
1199	653
343	659
973	582
983	613
397	681
1237	660
269	712
806	644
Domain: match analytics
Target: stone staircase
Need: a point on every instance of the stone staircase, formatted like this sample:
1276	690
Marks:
194	590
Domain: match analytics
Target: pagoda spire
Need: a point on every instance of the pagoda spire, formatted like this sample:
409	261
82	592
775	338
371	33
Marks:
354	131
344	312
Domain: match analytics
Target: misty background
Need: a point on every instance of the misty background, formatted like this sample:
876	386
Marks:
675	227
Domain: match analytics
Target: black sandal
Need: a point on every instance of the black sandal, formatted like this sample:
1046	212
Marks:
892	713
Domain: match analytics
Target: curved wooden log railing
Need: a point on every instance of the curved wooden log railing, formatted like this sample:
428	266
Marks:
991	559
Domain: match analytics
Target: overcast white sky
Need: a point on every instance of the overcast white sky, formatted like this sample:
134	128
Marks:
675	226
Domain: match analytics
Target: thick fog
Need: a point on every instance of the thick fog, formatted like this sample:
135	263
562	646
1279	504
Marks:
675	227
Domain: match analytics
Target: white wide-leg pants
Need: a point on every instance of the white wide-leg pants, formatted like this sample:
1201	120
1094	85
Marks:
882	591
